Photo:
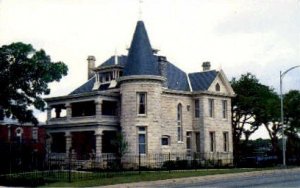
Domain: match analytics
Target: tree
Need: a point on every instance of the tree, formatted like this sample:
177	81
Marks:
24	77
292	111
272	121
121	145
122	148
291	118
250	108
292	121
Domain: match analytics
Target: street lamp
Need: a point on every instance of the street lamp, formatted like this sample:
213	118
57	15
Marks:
281	108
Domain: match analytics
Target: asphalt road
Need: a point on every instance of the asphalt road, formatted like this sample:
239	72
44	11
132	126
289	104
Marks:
284	179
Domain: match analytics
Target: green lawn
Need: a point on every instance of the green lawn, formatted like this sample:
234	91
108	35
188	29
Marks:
147	176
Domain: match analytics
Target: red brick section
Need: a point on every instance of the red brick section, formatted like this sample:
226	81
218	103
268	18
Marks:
26	136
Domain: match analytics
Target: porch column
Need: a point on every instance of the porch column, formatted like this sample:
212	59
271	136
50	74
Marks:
98	104
98	136
69	111
48	113
48	143
68	137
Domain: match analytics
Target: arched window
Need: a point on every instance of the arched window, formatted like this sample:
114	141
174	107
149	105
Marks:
179	123
217	87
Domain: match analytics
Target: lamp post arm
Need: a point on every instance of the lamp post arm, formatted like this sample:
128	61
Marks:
284	73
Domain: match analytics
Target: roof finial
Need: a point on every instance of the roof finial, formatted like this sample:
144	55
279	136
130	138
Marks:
219	67
140	9
116	57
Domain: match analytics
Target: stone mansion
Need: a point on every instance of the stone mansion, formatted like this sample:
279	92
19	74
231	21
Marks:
157	107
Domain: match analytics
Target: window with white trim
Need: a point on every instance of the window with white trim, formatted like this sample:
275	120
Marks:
1	114
212	139
165	140
218	87
35	133
224	109
225	140
197	142
141	103
211	107
179	123
142	140
197	108
189	142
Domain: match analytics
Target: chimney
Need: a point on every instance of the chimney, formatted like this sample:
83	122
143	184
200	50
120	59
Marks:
91	65
162	60
206	66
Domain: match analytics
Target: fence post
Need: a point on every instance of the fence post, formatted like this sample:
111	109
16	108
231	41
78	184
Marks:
169	162
69	172
139	163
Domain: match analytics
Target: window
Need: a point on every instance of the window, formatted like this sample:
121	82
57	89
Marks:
107	77
188	142
179	123
1	114
165	140
35	133
197	108
141	103
226	143
211	107
224	109
198	142
212	141
217	87
142	140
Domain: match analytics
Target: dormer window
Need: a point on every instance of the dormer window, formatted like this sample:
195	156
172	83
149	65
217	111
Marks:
105	77
217	87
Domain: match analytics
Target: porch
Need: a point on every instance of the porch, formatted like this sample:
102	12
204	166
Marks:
81	145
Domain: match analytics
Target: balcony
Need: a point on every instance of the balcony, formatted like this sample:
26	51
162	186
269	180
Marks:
86	112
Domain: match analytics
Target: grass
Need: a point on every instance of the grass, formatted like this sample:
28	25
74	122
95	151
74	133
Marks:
147	176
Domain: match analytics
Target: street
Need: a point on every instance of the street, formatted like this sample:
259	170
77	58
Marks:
284	179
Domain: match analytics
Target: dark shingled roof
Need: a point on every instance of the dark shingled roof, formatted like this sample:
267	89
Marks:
176	78
201	81
141	60
111	61
86	87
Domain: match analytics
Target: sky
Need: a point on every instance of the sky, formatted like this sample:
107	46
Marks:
239	36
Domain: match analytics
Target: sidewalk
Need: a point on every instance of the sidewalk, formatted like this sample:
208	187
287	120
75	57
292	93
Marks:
190	180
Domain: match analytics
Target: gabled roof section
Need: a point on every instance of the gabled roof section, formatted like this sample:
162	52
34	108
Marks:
86	87
111	61
200	81
141	60
176	78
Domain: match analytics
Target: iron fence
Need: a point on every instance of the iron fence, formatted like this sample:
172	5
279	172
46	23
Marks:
37	171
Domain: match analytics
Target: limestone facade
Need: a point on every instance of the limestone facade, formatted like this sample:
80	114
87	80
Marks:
158	108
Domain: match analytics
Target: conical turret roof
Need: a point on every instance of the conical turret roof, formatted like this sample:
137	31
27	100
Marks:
141	60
